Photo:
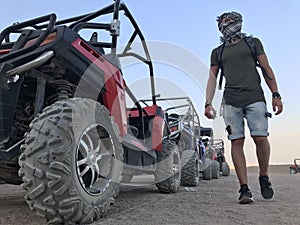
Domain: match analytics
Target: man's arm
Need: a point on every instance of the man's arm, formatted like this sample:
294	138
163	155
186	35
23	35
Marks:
210	91
272	84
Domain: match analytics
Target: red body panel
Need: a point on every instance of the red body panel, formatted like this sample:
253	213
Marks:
114	97
4	51
150	110
157	133
157	128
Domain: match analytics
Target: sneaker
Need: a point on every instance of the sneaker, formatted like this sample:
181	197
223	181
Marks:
246	195
266	187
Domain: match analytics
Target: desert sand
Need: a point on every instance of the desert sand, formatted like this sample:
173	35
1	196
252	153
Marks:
212	202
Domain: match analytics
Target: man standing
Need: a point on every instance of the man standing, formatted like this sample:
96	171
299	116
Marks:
243	98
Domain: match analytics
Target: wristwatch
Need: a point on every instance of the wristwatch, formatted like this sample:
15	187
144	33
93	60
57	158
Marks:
207	104
276	95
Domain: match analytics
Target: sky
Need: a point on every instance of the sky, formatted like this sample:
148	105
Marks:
181	35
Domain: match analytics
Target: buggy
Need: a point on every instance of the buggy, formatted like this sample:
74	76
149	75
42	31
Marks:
65	129
210	166
294	169
184	123
218	145
183	120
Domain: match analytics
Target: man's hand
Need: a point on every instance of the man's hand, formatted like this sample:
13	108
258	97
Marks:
210	112
277	105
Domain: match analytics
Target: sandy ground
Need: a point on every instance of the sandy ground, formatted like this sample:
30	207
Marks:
212	202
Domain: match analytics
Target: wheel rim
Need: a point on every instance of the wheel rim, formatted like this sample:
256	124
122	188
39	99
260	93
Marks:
95	159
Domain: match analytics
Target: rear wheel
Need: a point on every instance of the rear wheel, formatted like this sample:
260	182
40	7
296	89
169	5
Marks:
168	171
206	173
127	175
189	168
225	169
215	169
293	171
71	162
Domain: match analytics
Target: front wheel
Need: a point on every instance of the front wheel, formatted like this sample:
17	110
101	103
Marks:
207	172
189	168
293	171
168	171
225	169
71	162
215	169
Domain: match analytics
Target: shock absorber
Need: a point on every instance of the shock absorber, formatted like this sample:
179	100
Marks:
64	90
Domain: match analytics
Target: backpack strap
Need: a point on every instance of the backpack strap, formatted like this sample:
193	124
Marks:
220	50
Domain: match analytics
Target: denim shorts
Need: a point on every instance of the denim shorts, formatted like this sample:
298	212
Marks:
254	114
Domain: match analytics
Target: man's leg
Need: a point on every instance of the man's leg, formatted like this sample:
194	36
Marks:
263	154
234	120
239	161
258	125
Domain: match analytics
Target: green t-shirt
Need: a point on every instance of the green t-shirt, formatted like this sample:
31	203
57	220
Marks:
242	85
